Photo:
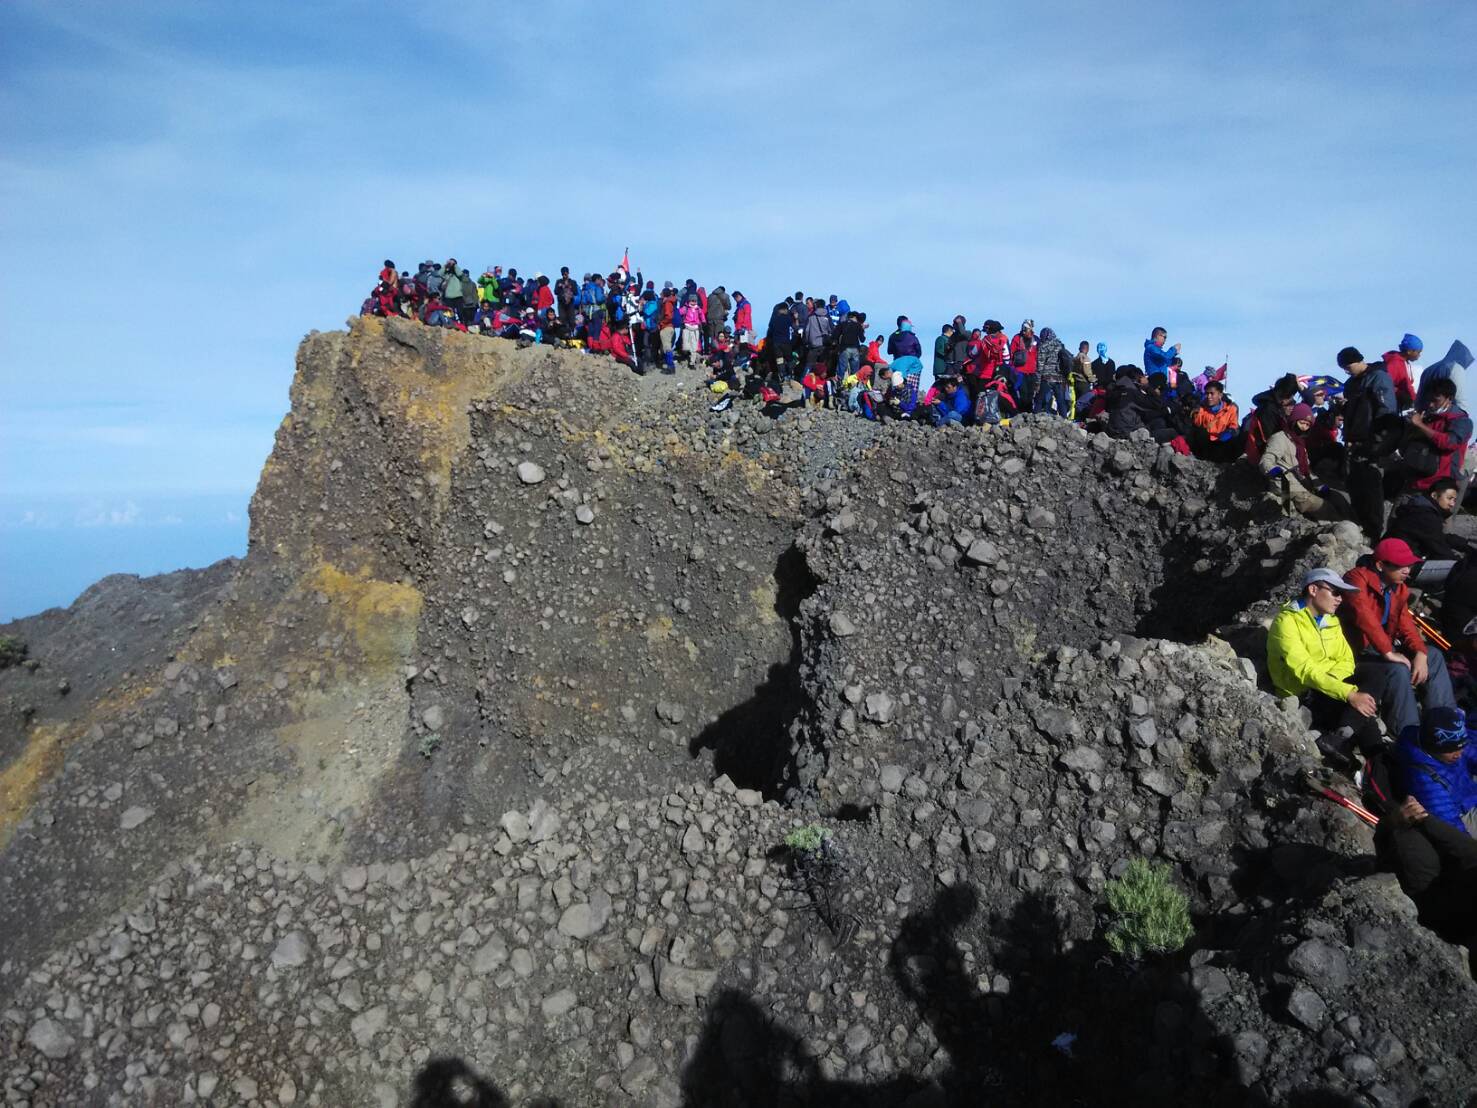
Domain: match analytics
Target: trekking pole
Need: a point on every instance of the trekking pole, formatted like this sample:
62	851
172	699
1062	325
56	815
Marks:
1431	633
1344	802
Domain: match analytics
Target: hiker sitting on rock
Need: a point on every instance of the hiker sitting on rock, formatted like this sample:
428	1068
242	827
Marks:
1420	520
1425	837
950	404
1309	657
1284	463
1392	659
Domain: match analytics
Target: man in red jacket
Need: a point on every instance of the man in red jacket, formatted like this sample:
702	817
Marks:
1398	363
1392	660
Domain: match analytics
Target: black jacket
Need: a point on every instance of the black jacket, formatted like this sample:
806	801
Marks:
1130	407
1418	521
850	333
1102	371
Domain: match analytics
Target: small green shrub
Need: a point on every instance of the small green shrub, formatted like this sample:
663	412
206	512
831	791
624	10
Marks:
12	651
809	838
1150	915
430	744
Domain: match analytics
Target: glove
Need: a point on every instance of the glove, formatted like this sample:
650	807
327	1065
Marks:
1276	471
1226	436
1322	490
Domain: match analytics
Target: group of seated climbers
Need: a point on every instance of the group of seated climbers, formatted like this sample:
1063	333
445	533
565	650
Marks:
1365	667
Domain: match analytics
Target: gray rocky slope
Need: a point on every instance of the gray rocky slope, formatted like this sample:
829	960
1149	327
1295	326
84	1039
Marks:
488	748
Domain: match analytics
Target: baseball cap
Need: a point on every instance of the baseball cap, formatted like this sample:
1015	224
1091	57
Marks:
1395	552
1324	576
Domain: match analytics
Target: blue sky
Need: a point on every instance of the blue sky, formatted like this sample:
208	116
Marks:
187	189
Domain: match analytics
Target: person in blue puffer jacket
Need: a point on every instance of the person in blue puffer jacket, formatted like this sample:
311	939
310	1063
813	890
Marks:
1158	356
1438	768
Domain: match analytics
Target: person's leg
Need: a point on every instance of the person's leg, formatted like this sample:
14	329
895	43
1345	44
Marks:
1366	494
1027	392
1389	684
1437	691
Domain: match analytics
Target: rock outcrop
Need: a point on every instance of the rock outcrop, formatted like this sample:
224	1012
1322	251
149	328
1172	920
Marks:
489	746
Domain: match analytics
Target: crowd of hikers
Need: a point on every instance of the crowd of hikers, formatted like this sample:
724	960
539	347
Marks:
1387	688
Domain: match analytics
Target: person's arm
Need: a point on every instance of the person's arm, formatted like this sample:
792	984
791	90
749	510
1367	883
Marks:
1425	785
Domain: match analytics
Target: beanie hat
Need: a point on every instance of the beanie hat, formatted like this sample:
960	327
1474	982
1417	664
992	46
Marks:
1411	343
1443	730
1301	412
1348	356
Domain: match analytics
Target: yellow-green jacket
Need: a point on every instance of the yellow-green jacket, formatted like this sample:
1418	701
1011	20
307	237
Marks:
1303	654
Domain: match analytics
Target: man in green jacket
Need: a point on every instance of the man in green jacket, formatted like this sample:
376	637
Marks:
1309	658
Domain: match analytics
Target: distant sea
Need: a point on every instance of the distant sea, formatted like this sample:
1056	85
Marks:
52	549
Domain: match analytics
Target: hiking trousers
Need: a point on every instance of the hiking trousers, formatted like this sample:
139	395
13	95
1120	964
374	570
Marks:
668	335
1389	684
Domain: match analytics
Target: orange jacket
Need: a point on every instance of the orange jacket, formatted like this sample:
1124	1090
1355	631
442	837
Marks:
1216	423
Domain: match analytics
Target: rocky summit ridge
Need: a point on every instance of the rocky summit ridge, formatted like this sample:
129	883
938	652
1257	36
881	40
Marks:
489	746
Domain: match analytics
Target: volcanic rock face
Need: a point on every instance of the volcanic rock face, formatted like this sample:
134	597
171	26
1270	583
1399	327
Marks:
489	746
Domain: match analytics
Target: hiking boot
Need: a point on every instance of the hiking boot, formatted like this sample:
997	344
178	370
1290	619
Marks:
723	404
1333	747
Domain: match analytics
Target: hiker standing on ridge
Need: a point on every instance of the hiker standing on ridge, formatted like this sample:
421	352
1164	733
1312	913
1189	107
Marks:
902	343
1156	355
1023	366
1370	415
1103	367
1398	363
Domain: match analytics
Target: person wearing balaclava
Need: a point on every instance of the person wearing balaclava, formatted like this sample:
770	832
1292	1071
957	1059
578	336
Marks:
1103	367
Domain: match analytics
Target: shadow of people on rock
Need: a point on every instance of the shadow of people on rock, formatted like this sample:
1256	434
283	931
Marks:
451	1083
1013	1012
751	741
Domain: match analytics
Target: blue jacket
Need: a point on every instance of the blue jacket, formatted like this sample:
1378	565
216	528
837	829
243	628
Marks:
1445	791
1157	358
960	402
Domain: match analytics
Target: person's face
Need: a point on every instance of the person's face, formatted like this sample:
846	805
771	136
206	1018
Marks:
1319	396
1324	599
1437	404
1214	396
1082	348
1159	337
1446	500
1394	575
1451	757
1288	405
1304	425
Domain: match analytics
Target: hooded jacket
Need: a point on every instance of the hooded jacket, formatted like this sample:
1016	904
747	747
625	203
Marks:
1453	367
1308	651
743	316
1445	791
1051	357
1020	342
1375	617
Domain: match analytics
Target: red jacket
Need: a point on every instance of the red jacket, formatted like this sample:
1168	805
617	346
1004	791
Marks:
1030	366
1452	428
1363	614
990	356
542	299
743	317
1399	370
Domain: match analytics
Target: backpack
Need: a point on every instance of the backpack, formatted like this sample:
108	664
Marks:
1377	782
